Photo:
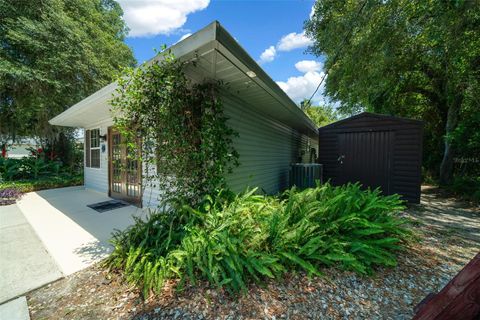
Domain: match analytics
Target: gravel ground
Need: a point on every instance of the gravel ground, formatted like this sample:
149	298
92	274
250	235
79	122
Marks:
450	233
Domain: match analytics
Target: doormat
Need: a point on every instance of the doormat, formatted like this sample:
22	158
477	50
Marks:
108	205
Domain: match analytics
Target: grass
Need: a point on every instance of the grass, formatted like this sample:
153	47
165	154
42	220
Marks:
231	240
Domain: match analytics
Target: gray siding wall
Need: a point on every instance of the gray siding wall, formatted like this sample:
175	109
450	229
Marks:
266	147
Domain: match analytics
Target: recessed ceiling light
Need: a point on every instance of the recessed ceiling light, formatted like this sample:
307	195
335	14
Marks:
251	74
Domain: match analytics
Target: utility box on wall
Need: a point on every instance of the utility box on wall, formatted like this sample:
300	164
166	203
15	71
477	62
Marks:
375	150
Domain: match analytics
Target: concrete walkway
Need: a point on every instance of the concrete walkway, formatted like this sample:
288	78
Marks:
15	310
75	235
25	264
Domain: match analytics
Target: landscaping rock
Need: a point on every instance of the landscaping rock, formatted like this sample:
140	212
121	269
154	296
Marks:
390	293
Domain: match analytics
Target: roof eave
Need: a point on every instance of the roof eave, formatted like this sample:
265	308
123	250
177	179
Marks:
213	32
223	37
372	115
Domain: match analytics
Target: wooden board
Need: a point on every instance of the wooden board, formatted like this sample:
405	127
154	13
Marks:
459	299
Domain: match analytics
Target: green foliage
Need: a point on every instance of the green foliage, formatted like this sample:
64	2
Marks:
36	173
417	59
39	164
58	181
232	240
27	168
320	115
186	143
467	187
467	136
53	53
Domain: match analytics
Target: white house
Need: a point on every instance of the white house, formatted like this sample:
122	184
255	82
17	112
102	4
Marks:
273	131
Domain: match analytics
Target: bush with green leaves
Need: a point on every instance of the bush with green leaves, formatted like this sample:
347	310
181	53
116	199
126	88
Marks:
62	180
27	168
187	146
467	187
232	240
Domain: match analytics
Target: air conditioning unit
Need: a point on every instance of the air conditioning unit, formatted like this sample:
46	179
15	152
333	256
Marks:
305	175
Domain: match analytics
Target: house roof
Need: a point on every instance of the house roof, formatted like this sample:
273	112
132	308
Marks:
376	116
218	56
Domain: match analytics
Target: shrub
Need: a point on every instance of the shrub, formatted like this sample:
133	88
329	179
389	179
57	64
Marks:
27	168
467	187
60	181
229	242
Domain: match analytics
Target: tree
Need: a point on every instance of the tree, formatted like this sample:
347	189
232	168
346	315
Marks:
320	115
53	53
418	59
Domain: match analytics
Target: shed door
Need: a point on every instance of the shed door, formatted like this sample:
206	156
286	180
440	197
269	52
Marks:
366	157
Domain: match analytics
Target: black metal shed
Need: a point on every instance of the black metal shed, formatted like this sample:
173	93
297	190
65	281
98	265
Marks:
376	150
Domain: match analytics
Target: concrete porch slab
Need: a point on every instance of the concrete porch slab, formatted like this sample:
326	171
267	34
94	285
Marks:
25	264
15	310
75	235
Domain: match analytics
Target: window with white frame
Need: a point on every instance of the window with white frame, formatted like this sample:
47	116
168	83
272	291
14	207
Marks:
92	148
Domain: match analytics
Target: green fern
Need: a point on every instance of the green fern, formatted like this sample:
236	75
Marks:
230	241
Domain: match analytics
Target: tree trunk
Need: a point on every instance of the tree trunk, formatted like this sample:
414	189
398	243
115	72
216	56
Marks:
446	167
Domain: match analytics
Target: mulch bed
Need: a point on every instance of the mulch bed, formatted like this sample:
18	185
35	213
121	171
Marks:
391	293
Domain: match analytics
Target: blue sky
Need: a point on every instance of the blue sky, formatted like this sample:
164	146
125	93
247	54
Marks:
270	31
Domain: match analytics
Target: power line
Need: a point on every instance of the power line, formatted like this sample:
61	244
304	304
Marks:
338	51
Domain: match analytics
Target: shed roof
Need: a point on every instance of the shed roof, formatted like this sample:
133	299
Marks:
218	56
377	116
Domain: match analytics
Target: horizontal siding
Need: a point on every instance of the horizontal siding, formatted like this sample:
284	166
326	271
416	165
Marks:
97	178
266	148
151	194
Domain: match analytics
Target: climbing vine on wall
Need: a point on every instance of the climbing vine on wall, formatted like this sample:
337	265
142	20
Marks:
186	143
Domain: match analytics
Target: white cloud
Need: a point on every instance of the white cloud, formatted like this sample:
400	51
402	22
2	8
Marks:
288	42
185	36
293	41
152	17
308	65
302	87
268	55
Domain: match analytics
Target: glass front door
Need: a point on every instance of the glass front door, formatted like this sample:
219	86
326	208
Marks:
124	169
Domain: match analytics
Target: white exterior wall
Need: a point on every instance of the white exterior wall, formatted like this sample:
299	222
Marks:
97	178
151	192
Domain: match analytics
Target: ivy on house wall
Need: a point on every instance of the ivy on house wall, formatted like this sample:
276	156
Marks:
187	146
